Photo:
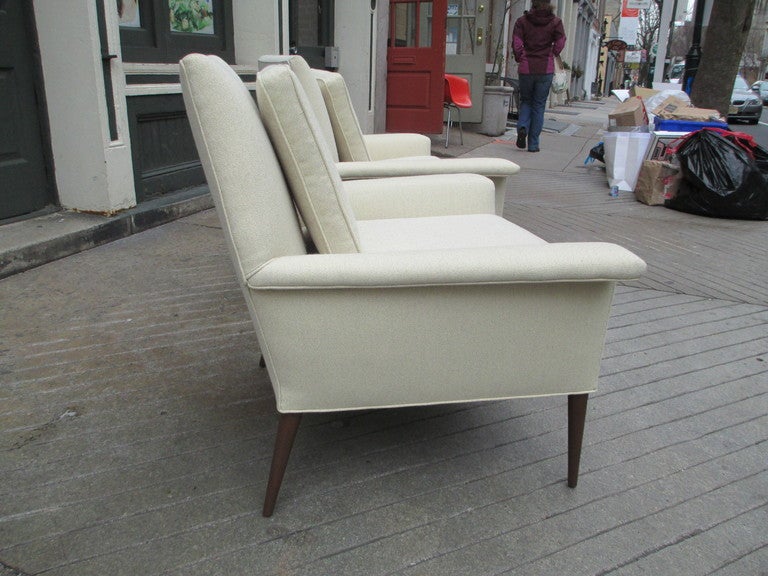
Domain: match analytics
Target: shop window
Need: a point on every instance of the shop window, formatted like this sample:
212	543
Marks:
460	27
412	24
166	30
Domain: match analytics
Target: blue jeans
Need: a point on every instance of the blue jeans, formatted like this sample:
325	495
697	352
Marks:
534	91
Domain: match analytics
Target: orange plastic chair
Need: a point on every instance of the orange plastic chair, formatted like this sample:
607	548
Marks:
456	94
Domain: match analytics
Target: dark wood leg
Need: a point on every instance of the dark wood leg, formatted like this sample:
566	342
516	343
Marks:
286	432
577	413
262	363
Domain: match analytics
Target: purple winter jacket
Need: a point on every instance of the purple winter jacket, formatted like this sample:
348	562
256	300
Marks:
537	38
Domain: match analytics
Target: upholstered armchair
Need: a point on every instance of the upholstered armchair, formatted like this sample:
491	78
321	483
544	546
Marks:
402	308
361	155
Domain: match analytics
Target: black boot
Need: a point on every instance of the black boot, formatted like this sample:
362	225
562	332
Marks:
521	136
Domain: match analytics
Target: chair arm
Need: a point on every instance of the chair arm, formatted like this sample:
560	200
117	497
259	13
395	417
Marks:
565	262
426	166
497	169
382	146
416	196
360	331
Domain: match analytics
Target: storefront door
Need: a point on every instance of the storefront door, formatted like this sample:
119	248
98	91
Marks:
415	66
466	48
24	183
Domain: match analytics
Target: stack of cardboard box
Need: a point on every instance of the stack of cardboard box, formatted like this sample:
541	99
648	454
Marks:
659	175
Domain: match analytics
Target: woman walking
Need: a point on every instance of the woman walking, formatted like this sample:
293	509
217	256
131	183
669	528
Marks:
537	39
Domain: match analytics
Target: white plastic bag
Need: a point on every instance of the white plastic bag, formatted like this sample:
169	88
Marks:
624	155
560	78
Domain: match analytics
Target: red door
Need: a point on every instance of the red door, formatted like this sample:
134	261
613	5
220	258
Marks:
416	66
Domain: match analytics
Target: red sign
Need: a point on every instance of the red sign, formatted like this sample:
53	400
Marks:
628	12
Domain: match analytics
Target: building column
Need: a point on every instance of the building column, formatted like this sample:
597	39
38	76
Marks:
356	35
90	141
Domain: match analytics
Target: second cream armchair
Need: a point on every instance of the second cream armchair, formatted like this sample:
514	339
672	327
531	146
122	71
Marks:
362	156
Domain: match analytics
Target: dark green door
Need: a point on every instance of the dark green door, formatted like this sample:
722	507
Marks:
23	181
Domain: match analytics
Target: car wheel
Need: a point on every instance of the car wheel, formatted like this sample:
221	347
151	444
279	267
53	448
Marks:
753	120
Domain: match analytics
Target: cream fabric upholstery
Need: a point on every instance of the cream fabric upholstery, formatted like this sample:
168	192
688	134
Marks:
401	343
497	169
239	164
401	311
441	233
413	196
400	145
351	143
297	138
346	127
307	80
412	150
358	154
404	243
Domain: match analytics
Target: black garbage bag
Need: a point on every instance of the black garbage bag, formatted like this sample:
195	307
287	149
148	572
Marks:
596	153
725	175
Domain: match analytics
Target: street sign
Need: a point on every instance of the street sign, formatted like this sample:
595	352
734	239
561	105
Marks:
638	4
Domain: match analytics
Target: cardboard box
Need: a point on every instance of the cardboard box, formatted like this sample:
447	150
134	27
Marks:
657	182
697	114
660	144
641	92
676	109
629	113
669	107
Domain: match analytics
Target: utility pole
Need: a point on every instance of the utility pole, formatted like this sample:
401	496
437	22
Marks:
693	57
666	25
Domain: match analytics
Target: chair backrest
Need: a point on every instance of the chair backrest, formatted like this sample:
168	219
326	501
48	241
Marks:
456	91
306	77
307	164
243	172
346	127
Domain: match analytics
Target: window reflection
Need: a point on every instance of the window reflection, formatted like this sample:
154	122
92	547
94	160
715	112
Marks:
413	24
460	27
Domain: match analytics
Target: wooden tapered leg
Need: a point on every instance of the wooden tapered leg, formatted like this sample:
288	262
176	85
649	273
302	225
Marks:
262	363
286	433
577	413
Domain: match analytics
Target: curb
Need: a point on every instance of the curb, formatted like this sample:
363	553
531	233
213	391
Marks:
32	249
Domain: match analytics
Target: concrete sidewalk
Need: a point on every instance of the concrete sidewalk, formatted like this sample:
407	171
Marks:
583	120
136	428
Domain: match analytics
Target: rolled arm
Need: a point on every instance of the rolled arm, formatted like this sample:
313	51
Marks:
564	262
381	146
426	166
416	196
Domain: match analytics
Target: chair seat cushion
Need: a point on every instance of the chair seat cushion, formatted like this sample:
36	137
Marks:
442	232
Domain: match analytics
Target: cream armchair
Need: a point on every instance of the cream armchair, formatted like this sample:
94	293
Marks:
361	155
402	309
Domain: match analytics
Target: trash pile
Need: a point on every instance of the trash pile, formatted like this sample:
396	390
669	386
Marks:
682	157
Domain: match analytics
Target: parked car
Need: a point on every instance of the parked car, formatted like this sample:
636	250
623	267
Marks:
676	72
761	89
745	105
